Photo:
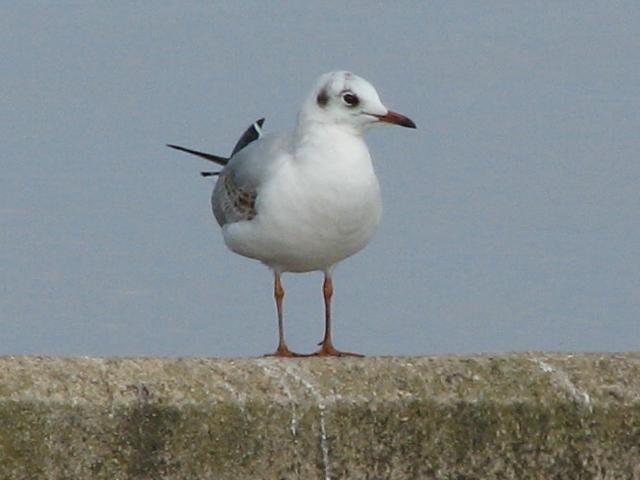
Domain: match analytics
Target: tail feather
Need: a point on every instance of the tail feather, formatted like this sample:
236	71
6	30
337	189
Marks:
206	156
251	134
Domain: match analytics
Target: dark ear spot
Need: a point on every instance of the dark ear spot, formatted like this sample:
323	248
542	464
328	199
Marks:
323	98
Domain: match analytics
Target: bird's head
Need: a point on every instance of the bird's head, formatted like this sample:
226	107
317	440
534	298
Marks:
343	98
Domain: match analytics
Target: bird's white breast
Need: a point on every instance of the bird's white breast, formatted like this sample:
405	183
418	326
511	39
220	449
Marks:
321	206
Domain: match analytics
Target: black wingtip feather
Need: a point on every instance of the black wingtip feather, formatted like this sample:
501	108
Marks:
250	134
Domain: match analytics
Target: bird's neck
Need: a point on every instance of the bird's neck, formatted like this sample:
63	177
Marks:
337	142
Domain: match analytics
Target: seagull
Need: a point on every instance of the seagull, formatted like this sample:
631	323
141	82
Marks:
305	200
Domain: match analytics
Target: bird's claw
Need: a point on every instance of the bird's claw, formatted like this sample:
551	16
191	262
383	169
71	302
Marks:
284	352
328	350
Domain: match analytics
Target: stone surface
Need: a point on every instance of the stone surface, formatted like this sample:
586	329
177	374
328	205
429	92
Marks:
513	416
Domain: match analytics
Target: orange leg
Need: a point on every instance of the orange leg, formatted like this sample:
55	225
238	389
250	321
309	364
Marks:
326	345
278	294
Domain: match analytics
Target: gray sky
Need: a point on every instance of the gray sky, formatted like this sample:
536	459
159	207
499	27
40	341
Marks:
512	215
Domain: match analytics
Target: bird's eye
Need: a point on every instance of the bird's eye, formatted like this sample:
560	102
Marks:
350	99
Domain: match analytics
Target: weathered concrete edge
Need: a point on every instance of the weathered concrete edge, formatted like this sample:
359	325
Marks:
493	416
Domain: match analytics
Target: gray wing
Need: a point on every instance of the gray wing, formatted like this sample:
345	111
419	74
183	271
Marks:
232	203
236	192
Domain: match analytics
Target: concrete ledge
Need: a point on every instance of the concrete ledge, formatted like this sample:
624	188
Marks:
517	416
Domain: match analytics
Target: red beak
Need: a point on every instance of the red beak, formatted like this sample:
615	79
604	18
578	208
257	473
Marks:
396	119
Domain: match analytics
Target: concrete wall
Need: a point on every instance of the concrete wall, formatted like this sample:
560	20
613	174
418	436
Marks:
518	416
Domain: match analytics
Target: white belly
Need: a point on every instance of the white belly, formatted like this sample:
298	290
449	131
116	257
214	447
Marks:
310	219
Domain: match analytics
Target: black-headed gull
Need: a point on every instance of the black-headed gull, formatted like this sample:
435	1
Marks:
305	200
